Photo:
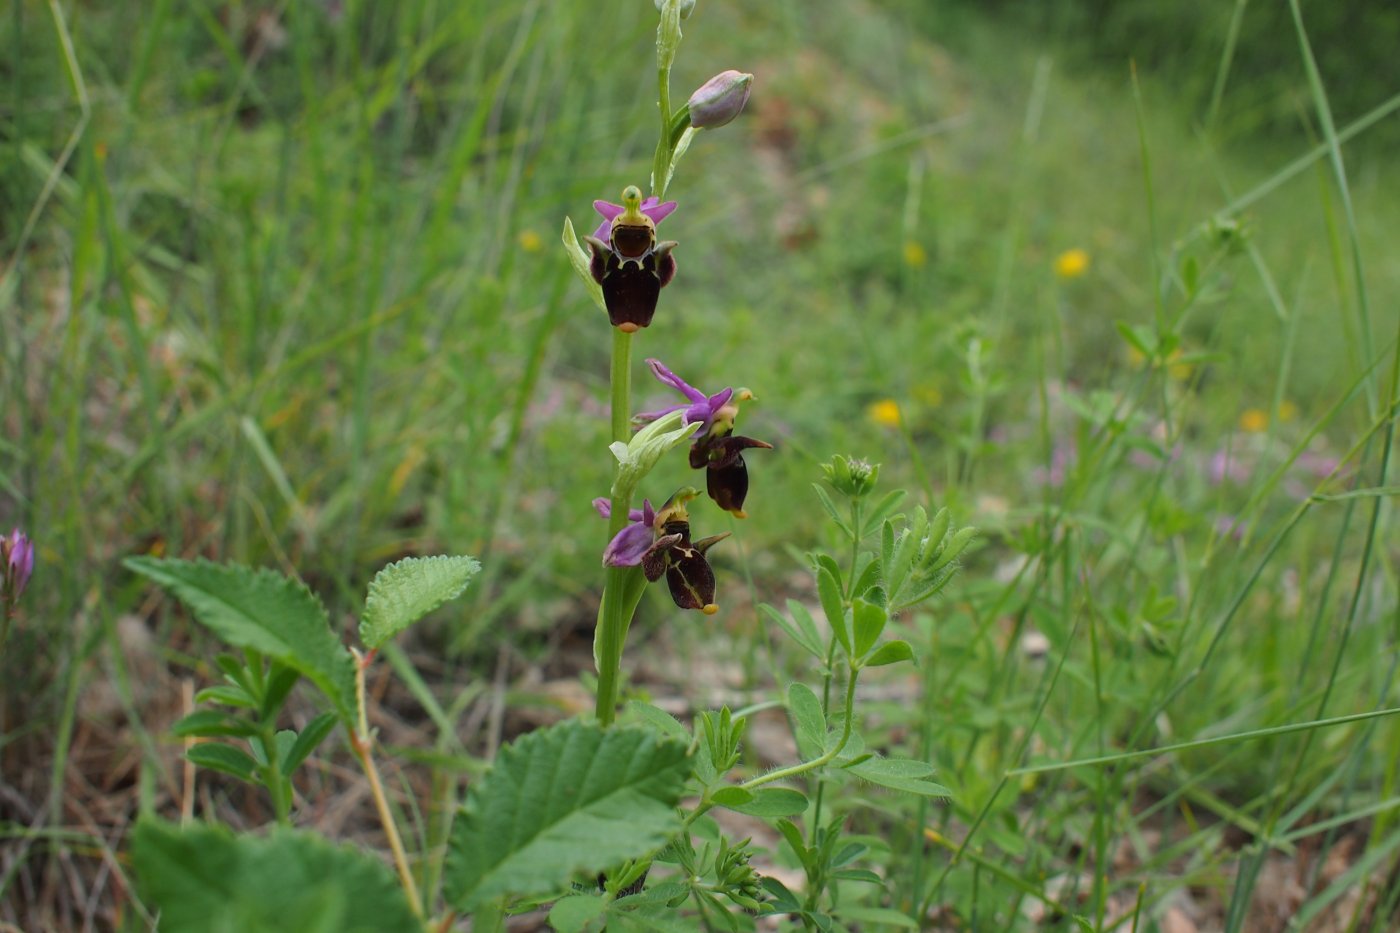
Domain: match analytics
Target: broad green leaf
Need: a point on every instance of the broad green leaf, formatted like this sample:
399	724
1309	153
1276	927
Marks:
891	652
406	591
571	914
216	756
770	802
809	722
900	774
863	875
868	621
784	901
203	878
311	737
571	797
829	591
732	796
264	611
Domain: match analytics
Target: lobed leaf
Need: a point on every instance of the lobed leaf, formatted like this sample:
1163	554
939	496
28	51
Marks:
404	592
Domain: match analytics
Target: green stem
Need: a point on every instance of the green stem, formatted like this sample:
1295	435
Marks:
792	771
624	585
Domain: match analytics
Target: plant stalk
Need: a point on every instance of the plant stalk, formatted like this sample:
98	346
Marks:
615	610
362	743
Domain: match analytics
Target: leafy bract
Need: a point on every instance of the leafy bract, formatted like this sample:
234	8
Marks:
571	797
204	878
406	591
264	611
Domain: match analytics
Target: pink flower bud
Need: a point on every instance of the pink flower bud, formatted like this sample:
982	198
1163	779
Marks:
719	99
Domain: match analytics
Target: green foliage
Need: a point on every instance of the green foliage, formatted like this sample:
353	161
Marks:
404	592
558	801
204	878
265	612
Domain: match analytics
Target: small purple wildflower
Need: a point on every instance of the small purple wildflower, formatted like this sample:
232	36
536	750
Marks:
16	563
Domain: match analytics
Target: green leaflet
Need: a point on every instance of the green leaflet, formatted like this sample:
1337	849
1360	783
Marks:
264	611
406	591
571	797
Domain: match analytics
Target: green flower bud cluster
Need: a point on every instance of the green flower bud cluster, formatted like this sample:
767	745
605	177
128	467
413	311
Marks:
851	477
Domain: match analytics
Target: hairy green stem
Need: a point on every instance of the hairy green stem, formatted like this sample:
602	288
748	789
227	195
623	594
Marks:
362	743
792	771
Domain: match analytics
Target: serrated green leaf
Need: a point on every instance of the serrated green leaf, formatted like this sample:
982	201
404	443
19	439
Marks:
732	796
311	737
771	802
571	914
808	720
829	591
210	722
264	611
216	756
203	879
868	620
891	652
404	592
571	797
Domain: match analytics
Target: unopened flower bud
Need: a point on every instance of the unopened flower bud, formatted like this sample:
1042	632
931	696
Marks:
687	7
719	99
16	564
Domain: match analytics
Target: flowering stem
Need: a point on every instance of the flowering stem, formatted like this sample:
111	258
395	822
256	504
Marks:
362	743
624	585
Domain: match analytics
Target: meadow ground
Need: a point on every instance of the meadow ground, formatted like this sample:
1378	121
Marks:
282	284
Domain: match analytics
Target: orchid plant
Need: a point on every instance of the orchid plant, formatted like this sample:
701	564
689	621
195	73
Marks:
584	819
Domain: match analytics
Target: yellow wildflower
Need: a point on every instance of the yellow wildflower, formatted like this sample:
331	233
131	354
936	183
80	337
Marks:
1254	420
885	413
530	241
1072	263
914	254
1287	411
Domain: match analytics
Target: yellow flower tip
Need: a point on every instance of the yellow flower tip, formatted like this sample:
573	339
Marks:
1287	411
710	609
1254	420
1072	263
632	215
885	413
530	241
914	254
738	513
627	327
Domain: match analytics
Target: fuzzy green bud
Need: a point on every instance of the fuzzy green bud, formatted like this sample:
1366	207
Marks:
719	100
687	7
851	477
